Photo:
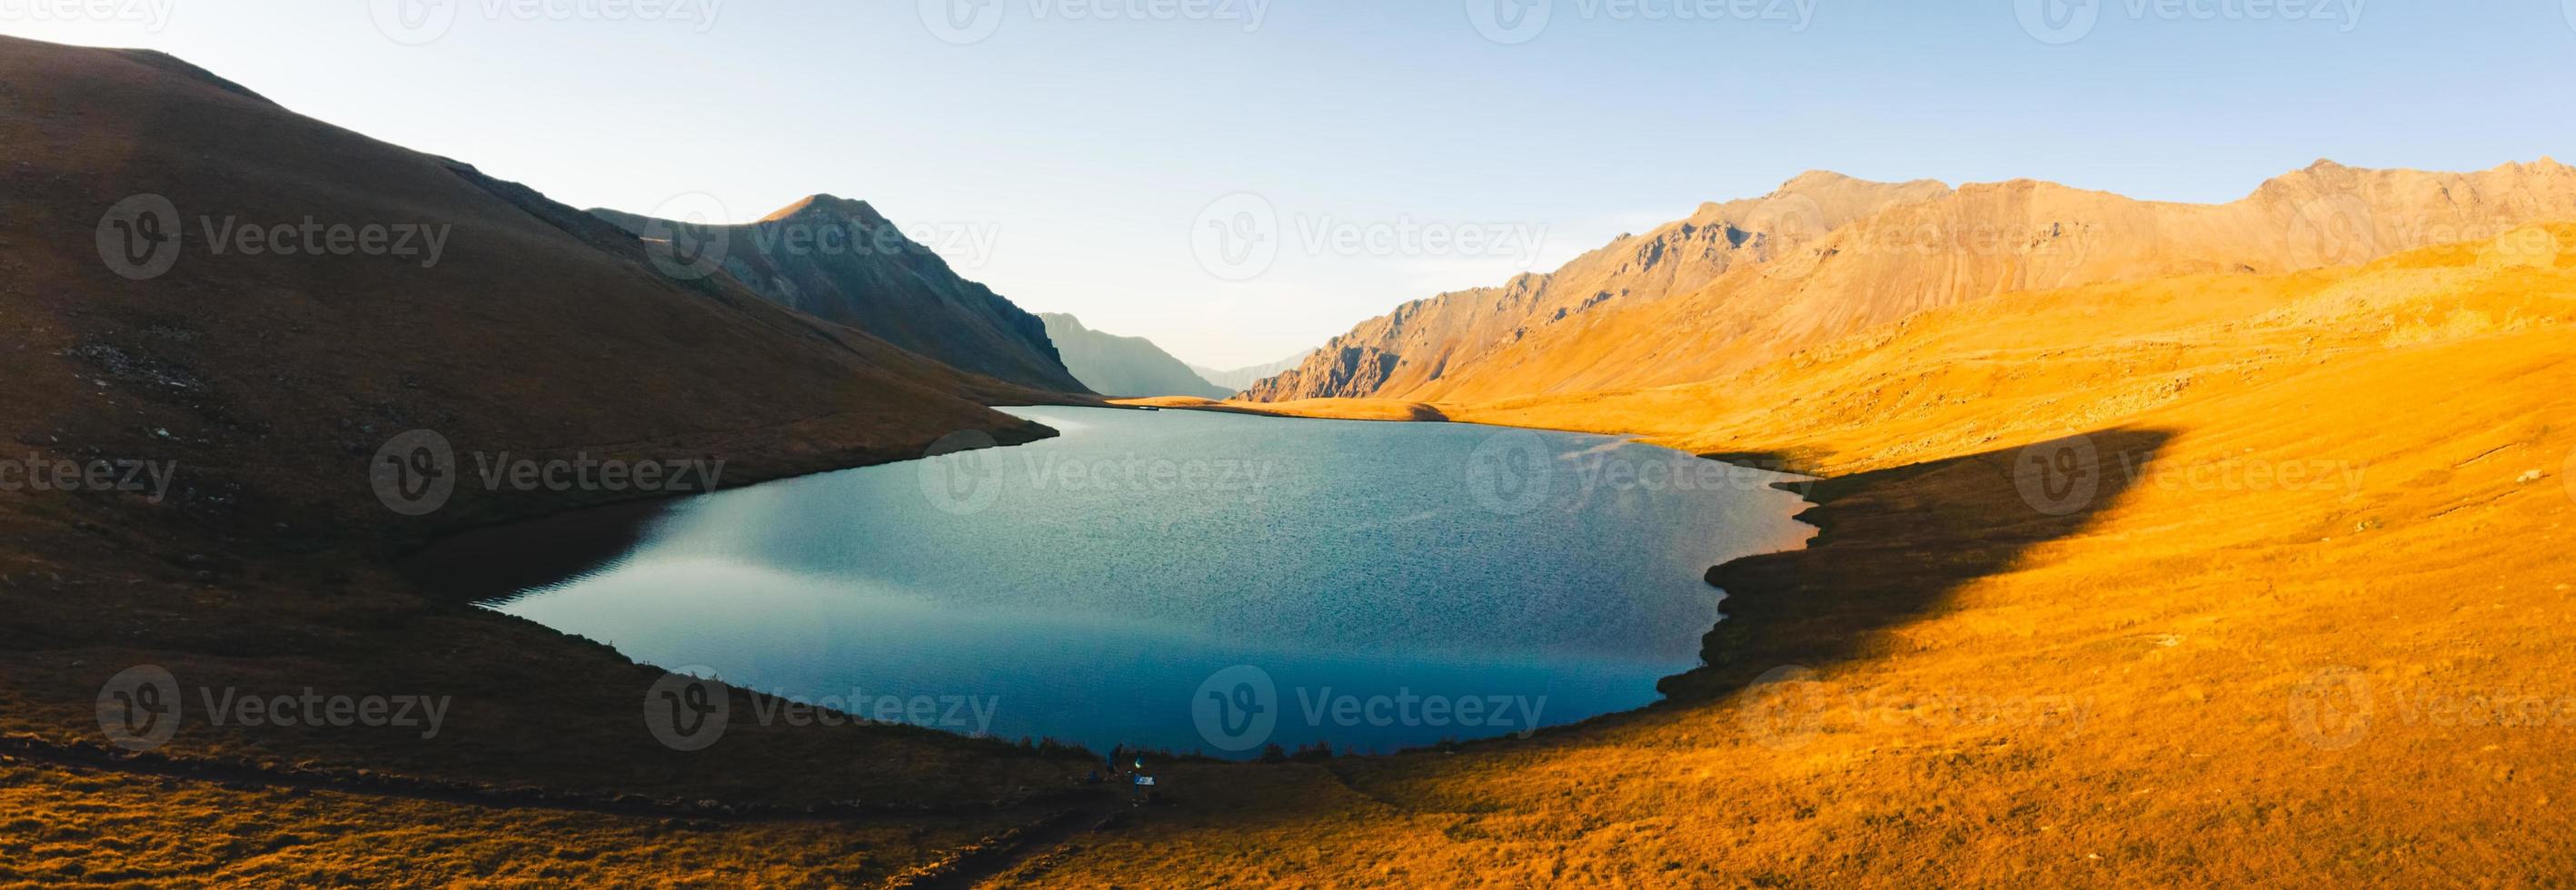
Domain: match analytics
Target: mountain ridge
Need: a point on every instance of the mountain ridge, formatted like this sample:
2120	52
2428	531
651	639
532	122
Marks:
1932	247
842	261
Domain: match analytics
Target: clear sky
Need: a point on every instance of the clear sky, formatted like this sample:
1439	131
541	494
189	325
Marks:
1074	154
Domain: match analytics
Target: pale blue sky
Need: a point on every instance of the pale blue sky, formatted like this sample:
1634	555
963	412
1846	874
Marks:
1068	162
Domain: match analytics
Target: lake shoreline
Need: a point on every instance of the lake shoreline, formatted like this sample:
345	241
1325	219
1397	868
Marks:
614	593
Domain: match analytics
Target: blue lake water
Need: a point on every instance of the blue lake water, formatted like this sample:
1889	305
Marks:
1200	582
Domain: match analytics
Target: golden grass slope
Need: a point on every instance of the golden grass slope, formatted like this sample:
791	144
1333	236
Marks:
1947	248
2316	628
1411	348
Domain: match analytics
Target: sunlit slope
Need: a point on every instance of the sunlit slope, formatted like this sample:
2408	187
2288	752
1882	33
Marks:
2315	625
1921	252
1411	348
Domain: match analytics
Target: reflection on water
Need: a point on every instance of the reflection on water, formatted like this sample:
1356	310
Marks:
1387	585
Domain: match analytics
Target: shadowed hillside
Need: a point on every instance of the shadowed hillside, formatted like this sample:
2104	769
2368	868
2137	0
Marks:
842	261
1125	366
266	377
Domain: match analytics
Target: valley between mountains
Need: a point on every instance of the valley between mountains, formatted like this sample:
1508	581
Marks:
2311	615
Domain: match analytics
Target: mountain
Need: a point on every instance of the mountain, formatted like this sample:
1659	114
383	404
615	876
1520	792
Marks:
1827	255
1124	366
840	260
156	318
483	311
1240	379
1417	345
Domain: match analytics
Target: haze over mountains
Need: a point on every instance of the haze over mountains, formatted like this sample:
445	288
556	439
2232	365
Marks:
1124	366
1240	379
840	260
1740	283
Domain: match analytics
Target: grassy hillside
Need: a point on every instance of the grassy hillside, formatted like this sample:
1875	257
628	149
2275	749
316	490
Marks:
2313	621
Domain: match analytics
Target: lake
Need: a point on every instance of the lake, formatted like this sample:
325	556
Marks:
1197	581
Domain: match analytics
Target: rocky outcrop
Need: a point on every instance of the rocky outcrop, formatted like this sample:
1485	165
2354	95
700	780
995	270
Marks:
1825	256
1420	343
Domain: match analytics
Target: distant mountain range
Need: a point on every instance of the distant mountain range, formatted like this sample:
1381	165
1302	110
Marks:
1241	379
840	260
1745	282
1124	366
